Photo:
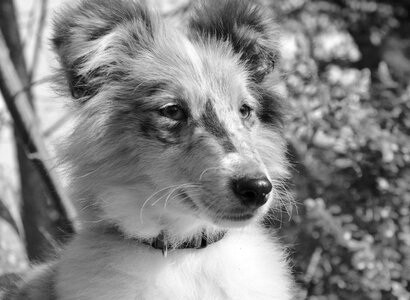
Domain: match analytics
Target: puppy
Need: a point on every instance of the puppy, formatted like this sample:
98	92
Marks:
176	156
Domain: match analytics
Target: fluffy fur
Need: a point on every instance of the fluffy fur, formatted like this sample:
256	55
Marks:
169	119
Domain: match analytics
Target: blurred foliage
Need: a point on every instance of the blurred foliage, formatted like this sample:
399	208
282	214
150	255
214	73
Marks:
347	65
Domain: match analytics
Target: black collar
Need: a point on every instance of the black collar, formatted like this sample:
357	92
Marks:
161	243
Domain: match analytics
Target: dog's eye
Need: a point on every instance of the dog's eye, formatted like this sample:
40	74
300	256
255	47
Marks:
173	111
245	111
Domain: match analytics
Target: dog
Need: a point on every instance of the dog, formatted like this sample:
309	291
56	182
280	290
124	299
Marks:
176	156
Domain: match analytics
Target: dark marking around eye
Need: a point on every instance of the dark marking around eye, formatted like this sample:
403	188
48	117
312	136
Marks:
271	108
151	129
212	124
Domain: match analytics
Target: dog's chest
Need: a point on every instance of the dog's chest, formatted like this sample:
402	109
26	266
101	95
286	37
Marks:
227	270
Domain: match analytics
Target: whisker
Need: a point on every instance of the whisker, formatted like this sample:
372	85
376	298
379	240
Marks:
180	194
185	185
156	193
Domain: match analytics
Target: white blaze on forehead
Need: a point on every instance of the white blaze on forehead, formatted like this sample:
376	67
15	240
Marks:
230	160
193	55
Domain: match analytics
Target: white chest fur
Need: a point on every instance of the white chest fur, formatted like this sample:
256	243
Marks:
243	265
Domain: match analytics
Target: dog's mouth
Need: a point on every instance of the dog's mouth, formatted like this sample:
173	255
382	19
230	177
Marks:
232	216
238	217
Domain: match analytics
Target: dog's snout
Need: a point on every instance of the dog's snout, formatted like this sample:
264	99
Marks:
252	191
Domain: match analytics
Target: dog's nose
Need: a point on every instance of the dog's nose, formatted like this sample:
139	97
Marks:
252	191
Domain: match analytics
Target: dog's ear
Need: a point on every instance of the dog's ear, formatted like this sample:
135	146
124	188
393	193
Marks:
247	25
94	38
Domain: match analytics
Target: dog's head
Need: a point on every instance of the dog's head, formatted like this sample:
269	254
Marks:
177	127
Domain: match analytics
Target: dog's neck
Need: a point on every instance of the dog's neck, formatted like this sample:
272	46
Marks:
163	243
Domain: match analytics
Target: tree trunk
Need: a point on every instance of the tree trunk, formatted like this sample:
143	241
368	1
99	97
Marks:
41	232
